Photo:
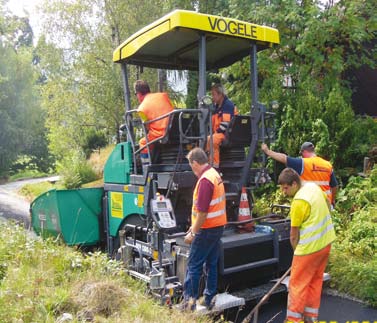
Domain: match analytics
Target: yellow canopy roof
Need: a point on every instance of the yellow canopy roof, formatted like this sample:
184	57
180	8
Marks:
172	42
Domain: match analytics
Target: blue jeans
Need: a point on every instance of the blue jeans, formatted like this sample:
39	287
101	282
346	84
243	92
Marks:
205	249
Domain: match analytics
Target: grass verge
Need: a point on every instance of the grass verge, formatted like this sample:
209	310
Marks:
96	162
44	281
31	191
26	174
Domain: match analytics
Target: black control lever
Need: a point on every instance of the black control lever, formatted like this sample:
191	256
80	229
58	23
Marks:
176	235
254	219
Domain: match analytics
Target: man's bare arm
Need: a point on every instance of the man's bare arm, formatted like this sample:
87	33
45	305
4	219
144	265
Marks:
280	157
333	194
294	237
201	217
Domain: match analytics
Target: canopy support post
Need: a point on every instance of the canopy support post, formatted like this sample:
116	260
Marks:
126	88
127	98
255	114
202	67
254	76
202	92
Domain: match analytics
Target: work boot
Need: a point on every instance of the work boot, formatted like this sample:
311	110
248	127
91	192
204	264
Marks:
187	305
308	319
203	301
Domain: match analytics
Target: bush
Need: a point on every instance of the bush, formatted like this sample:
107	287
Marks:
268	196
76	171
353	260
93	139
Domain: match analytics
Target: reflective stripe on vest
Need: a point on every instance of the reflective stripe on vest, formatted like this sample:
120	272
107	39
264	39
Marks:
318	171
211	214
317	182
216	215
315	227
317	231
317	236
218	200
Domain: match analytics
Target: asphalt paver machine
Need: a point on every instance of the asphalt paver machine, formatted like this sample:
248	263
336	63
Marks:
142	211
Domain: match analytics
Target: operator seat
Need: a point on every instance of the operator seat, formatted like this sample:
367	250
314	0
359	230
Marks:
171	148
237	137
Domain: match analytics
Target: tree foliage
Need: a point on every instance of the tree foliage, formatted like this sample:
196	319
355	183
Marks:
83	88
82	92
21	119
318	46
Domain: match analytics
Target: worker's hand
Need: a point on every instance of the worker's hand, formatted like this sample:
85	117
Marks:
188	238
265	148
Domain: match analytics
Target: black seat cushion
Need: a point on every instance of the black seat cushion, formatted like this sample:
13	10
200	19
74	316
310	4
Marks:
238	133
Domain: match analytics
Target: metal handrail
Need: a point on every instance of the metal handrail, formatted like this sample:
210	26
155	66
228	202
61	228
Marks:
181	133
148	143
169	114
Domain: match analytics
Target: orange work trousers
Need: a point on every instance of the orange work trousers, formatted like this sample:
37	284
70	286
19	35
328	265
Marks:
152	135
218	138
305	285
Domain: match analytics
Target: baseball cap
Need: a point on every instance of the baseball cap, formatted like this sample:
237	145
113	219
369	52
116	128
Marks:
307	146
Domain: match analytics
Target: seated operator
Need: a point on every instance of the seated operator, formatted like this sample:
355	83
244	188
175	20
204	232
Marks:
152	106
225	110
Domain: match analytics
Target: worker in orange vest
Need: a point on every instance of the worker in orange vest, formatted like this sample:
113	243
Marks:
225	110
312	233
152	106
310	167
208	217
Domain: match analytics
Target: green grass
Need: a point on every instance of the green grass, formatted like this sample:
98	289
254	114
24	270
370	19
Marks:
40	280
26	174
31	191
96	163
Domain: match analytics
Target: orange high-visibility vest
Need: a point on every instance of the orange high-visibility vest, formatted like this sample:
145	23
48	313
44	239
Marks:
217	119
318	171
216	215
154	106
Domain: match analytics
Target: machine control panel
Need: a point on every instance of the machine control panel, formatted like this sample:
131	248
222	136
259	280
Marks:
162	212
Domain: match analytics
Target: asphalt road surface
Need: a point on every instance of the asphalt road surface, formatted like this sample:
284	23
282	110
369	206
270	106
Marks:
12	205
333	308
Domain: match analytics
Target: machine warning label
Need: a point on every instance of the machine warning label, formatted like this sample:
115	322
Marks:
117	205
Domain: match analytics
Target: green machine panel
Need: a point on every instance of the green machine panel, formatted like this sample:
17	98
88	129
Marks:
118	165
74	215
122	204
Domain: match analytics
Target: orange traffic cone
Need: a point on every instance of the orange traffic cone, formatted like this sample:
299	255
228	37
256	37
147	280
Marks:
244	213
